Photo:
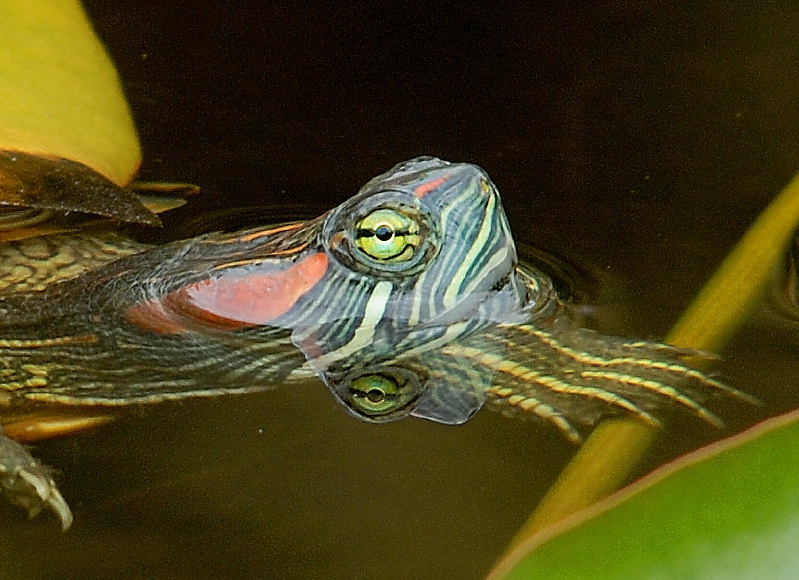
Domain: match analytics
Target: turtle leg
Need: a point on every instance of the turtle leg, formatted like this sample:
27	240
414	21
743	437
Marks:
29	484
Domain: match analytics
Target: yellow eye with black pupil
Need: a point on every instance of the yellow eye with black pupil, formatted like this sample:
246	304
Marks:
388	235
375	394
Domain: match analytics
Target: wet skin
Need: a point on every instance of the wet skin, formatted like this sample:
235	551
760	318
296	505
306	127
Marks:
407	299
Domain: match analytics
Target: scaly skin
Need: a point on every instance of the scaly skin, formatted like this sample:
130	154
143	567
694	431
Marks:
407	299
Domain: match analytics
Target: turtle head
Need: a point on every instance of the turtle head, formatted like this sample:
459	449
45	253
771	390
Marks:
422	256
434	230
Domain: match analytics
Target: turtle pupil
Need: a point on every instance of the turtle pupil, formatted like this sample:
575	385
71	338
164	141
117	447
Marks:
383	233
375	395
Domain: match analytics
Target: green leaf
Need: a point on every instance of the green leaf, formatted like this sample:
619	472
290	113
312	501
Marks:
615	448
728	511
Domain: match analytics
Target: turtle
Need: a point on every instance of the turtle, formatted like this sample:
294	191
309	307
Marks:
408	299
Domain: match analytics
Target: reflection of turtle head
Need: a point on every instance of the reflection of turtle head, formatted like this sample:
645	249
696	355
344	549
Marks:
422	256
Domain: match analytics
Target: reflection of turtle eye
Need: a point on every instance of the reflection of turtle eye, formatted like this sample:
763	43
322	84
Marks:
375	394
388	235
382	393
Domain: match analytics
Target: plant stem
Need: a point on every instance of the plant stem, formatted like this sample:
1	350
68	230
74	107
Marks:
609	457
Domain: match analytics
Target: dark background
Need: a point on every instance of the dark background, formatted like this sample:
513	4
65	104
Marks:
638	138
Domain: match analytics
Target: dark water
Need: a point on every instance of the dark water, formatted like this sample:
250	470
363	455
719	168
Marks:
641	138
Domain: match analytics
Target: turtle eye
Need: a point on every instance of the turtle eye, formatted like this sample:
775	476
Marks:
388	235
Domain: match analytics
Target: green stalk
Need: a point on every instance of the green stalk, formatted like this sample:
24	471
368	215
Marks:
609	457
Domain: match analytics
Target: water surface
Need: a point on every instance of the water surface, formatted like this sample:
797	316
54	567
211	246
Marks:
640	138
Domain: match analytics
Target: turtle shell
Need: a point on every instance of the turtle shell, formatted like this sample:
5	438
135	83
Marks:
45	205
42	195
33	188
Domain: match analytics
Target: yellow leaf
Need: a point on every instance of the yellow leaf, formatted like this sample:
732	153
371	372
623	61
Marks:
60	95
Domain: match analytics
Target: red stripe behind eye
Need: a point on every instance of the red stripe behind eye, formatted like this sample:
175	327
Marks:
424	188
231	301
257	298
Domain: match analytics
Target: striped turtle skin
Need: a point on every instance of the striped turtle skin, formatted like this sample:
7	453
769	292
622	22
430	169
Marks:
407	299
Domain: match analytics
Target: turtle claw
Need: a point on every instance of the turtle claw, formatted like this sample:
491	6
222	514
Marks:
29	484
